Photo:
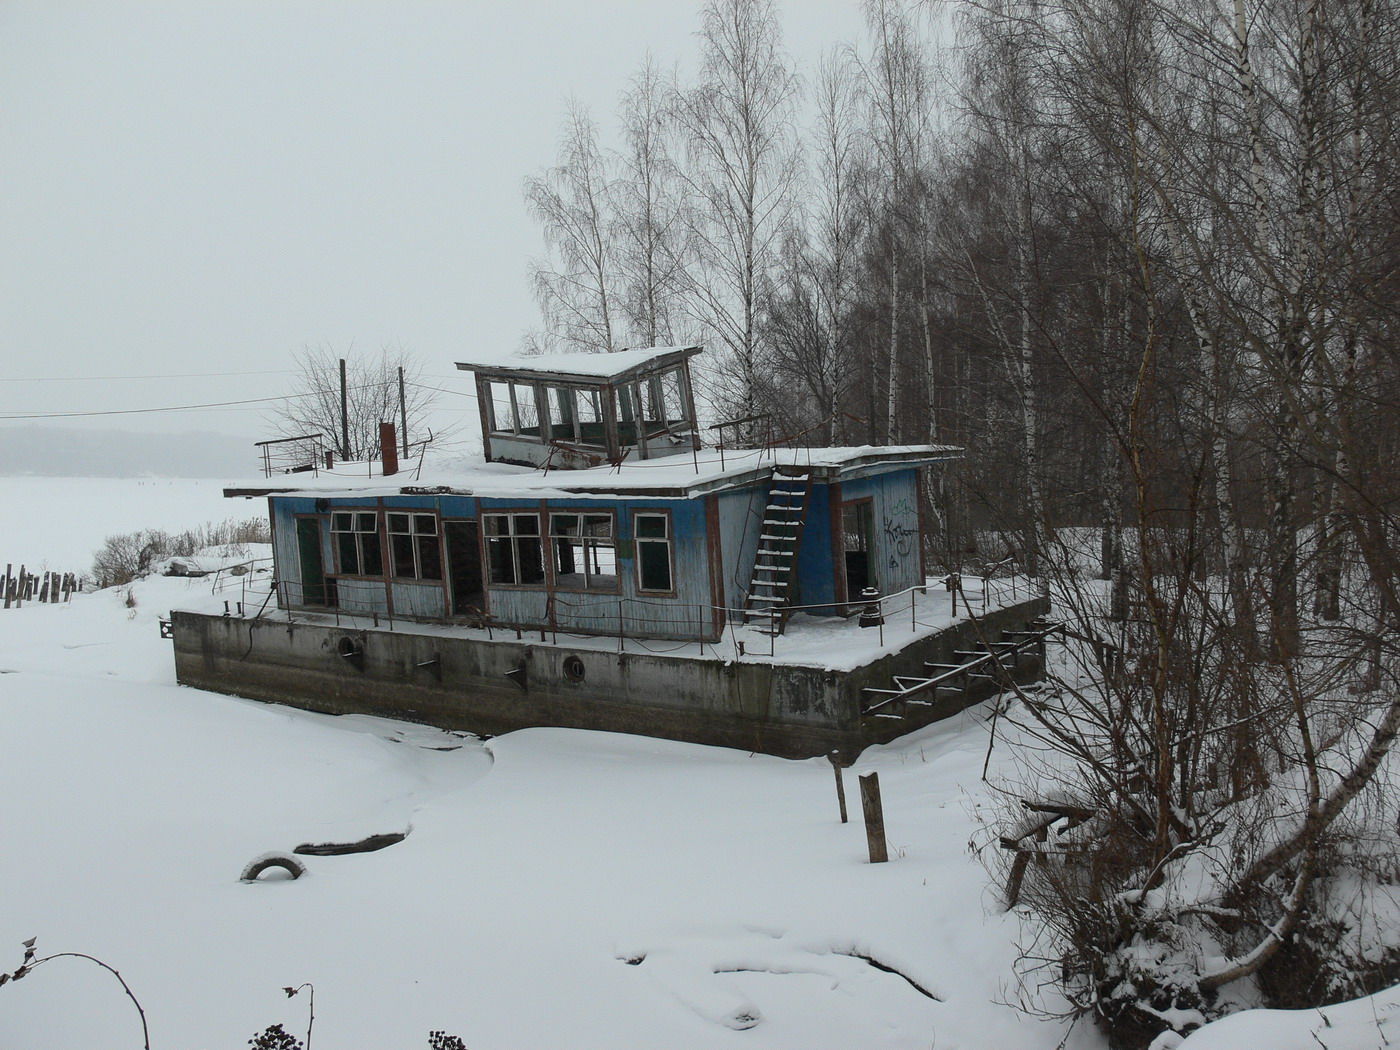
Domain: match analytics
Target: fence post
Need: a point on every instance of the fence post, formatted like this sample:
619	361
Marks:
835	758
874	818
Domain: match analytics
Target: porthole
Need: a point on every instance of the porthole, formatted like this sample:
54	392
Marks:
573	669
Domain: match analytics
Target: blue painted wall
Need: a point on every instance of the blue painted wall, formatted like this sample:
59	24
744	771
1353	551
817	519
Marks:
688	613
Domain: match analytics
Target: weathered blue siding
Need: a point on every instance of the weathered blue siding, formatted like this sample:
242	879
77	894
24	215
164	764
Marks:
816	571
896	537
683	615
740	521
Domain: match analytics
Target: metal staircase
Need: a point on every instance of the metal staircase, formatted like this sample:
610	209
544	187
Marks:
775	563
991	662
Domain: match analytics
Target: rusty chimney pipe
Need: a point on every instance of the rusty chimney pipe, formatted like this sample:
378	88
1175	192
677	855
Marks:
389	448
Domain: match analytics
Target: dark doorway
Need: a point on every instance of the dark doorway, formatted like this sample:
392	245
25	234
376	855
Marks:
464	567
857	525
313	569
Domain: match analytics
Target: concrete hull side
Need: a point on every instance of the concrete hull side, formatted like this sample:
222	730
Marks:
462	683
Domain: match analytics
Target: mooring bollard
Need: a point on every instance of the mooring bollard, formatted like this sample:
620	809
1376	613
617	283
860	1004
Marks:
874	818
871	616
835	758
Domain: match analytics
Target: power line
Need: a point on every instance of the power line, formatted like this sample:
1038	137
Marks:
181	408
105	379
145	411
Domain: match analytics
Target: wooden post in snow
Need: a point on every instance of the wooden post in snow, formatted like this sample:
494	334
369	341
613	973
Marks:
874	818
344	416
835	758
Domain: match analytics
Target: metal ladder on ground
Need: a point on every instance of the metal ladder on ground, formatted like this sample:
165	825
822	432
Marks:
991	661
775	562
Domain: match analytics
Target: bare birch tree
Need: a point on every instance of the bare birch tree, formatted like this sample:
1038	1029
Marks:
737	123
572	203
647	224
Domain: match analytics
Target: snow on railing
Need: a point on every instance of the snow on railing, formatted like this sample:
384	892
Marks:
659	626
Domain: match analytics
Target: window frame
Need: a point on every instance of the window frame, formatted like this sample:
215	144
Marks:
639	541
586	544
418	541
512	538
357	516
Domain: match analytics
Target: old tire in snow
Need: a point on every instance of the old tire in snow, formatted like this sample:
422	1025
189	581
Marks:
255	867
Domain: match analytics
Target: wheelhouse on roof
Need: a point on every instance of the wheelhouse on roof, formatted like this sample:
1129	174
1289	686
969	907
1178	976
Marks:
576	410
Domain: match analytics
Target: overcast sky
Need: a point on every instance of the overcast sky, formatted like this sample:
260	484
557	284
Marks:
197	187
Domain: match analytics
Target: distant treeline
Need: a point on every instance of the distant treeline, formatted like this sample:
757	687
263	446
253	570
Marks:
55	452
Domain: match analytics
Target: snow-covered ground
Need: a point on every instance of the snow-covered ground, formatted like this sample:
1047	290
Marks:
555	889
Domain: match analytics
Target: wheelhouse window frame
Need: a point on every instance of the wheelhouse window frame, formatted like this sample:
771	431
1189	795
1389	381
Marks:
648	547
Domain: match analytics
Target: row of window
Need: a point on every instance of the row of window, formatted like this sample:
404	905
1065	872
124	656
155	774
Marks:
414	550
584	549
583	546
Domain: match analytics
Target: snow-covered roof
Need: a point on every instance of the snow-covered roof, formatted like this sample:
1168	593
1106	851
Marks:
613	366
675	477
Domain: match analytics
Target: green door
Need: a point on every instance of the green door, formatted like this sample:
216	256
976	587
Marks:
313	571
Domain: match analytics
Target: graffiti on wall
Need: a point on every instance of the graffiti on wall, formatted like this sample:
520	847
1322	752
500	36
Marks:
901	528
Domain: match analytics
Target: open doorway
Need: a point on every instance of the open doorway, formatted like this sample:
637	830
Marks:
313	567
464	567
857	545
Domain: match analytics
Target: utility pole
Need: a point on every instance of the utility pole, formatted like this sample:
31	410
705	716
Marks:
344	416
403	414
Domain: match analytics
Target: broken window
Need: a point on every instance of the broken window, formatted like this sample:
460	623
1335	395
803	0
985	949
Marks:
585	551
502	409
513	550
413	546
357	545
673	396
513	409
590	417
527	417
560	402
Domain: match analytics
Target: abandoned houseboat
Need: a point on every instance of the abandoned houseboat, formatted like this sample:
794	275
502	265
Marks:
600	567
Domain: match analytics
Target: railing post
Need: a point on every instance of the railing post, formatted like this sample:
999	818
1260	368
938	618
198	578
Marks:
874	818
835	758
